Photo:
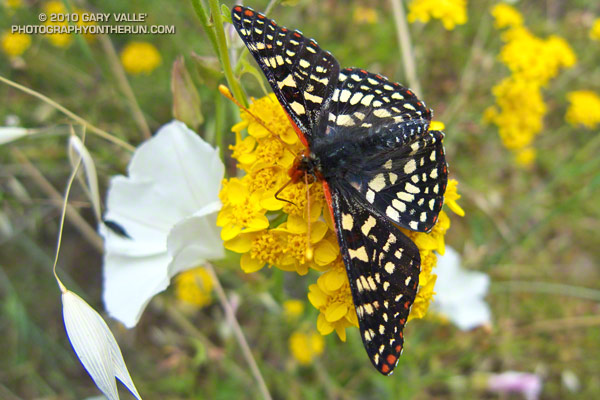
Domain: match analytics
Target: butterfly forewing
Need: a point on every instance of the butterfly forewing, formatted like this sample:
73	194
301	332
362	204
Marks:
302	75
383	270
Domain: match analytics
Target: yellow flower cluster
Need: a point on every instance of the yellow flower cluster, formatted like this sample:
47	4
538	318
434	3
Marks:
519	110
140	58
450	12
595	31
14	44
584	109
194	287
365	15
269	231
306	346
63	39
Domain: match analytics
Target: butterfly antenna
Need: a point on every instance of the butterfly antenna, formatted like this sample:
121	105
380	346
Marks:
227	93
280	190
309	249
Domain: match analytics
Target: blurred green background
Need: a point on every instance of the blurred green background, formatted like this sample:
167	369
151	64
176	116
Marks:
533	230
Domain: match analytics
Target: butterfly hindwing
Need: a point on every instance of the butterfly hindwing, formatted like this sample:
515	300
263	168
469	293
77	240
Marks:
406	183
303	76
372	104
383	269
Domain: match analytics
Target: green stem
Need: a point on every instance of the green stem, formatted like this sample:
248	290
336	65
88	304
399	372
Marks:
206	24
224	54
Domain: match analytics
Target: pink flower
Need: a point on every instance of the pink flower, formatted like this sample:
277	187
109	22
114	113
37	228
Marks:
529	385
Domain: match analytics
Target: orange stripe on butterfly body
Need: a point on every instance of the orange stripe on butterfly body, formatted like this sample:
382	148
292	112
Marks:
327	193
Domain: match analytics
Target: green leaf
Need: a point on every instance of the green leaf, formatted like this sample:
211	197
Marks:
186	100
226	13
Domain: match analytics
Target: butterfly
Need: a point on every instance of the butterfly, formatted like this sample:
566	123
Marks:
368	142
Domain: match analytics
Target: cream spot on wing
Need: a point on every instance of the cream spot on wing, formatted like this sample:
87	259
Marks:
345	120
392	213
390	267
359	253
347	222
356	98
297	107
405	196
368	225
410	188
366	101
410	167
288	81
313	98
345	95
399	205
377	183
370	196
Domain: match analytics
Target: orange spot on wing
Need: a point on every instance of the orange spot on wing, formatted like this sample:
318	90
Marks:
398	348
284	30
260	16
238	8
391	359
409	92
407	304
363	71
297	34
249	13
385	368
402	322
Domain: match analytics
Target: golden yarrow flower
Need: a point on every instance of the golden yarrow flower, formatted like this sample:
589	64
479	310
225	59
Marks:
450	12
57	39
506	15
306	346
518	113
364	15
194	287
520	107
140	58
14	44
595	31
584	108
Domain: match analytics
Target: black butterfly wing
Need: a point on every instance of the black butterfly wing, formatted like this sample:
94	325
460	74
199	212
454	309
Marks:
401	168
371	105
383	269
406	183
302	75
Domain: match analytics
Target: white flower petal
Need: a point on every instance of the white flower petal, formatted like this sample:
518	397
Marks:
89	167
195	240
171	176
10	133
130	283
459	293
95	346
170	197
